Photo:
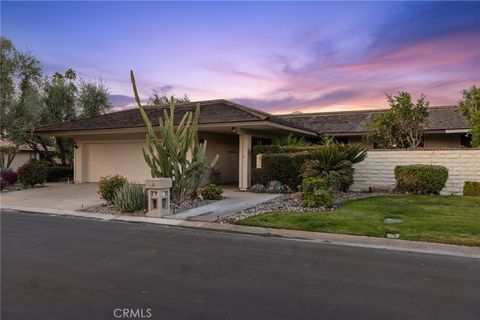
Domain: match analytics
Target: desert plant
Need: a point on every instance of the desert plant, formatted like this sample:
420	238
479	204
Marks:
421	178
257	188
10	176
276	186
109	185
471	188
212	192
130	198
215	176
337	158
32	173
176	152
315	193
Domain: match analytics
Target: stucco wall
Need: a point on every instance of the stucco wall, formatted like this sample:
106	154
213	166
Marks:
377	169
21	158
226	146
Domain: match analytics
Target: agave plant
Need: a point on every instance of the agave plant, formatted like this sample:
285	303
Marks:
176	151
130	198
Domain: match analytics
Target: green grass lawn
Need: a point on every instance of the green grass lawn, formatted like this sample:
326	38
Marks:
445	219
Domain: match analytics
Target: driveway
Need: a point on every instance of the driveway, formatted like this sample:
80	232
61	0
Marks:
70	268
57	196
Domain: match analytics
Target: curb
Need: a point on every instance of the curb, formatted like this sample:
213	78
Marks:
285	234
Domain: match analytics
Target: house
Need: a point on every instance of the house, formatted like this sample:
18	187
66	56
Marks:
112	143
23	155
447	128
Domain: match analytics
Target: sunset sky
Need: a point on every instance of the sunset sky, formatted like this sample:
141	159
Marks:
278	57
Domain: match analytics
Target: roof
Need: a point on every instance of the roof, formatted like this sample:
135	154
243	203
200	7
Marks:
211	112
440	118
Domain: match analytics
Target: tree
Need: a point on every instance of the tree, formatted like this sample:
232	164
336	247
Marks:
176	152
93	98
402	126
161	98
470	107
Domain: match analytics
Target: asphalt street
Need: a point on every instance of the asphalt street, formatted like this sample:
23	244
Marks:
69	268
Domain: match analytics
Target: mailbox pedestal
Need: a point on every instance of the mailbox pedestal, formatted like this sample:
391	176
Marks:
158	191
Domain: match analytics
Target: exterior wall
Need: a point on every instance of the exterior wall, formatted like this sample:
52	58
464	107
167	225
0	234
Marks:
100	155
377	170
442	140
21	158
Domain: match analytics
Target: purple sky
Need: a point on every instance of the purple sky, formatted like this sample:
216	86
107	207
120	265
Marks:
278	57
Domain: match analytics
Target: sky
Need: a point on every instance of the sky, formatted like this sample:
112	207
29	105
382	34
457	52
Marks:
279	57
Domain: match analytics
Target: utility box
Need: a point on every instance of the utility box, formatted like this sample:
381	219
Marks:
158	191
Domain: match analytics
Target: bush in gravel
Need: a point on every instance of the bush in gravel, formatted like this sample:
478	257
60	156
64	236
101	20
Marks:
32	173
9	176
212	192
108	186
334	181
315	193
130	198
471	188
421	178
59	173
276	186
257	188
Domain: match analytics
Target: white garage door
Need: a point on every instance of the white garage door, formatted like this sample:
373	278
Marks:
124	158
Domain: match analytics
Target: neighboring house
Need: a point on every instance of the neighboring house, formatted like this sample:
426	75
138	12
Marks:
24	154
447	128
112	143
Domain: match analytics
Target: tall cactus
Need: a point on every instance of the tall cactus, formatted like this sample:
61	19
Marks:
176	151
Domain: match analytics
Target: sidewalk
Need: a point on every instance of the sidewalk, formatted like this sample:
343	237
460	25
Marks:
329	238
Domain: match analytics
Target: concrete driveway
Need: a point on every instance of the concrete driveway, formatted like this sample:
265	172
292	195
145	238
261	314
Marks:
57	196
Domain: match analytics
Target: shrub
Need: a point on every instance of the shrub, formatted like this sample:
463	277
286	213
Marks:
268	149
283	167
32	173
212	192
421	178
471	188
109	185
276	187
59	173
315	193
10	176
257	188
3	184
130	198
335	157
334	181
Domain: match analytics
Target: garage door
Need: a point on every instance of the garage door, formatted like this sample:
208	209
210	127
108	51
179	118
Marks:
125	158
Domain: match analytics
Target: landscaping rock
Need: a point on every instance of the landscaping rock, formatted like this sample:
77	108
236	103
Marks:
392	220
390	235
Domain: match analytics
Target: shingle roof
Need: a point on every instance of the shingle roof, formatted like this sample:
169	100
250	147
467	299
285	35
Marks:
440	118
212	111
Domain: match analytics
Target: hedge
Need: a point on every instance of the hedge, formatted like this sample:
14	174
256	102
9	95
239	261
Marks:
315	193
284	167
471	188
268	149
57	173
421	178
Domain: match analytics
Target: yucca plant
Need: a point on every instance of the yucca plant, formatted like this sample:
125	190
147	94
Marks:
130	198
176	151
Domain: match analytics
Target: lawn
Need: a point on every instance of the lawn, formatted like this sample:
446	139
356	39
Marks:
445	219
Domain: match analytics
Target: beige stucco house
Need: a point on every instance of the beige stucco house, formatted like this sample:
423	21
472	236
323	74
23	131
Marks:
24	154
112	143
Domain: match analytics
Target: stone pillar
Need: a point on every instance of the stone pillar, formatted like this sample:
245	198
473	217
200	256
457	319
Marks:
245	166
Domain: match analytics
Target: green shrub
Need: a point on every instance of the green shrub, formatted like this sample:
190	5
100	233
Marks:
283	167
421	178
59	173
257	188
212	192
130	198
108	186
32	173
334	181
315	193
471	188
276	186
268	149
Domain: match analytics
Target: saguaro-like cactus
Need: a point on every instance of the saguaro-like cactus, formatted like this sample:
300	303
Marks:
176	151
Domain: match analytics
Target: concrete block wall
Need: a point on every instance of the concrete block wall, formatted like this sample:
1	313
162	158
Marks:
377	169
